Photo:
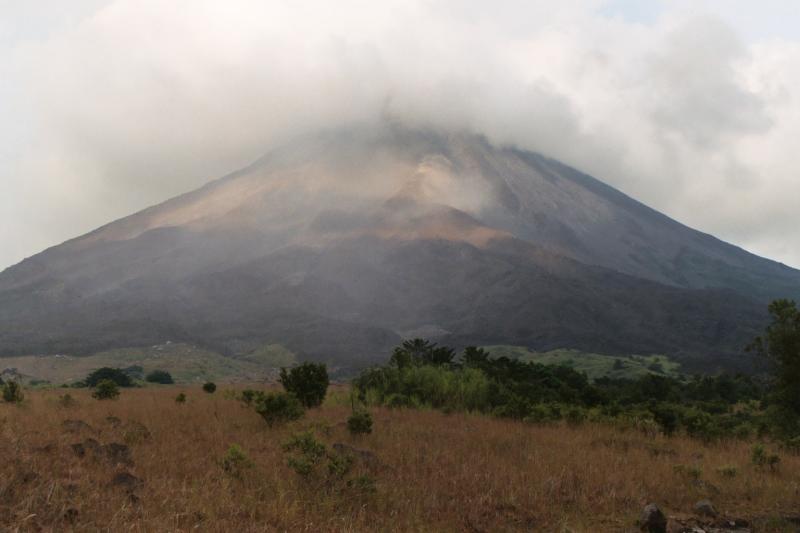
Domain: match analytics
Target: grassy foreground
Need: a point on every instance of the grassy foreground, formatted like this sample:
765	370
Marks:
432	471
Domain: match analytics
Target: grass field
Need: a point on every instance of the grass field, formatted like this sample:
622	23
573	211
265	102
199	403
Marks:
592	364
186	363
430	471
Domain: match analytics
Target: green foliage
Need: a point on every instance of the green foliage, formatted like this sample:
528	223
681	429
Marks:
235	461
780	345
209	387
360	423
159	376
421	352
248	396
728	471
118	376
180	398
308	382
307	453
106	390
278	407
761	458
12	392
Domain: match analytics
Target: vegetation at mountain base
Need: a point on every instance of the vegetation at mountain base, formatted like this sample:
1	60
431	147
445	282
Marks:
159	376
308	382
210	387
117	375
710	408
106	389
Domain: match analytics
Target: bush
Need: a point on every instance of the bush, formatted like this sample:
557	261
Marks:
308	382
279	408
106	390
235	461
761	458
118	376
307	453
360	423
209	387
180	398
159	376
248	396
66	400
12	392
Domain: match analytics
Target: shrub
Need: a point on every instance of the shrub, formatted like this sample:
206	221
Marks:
360	423
106	390
66	400
180	398
12	392
159	376
307	453
279	408
728	471
308	382
209	387
761	458
235	461
116	375
248	396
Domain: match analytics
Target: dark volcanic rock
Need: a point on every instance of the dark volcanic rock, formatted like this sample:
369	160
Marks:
653	520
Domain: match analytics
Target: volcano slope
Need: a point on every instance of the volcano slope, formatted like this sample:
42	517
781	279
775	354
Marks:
339	244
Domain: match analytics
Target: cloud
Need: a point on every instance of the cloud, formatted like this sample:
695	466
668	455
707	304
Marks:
141	100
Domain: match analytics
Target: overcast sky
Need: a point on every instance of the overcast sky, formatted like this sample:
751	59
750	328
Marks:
109	106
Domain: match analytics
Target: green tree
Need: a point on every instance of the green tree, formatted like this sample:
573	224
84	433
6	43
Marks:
116	375
159	376
209	387
106	390
780	345
308	382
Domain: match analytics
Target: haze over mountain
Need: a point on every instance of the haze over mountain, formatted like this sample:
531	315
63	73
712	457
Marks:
341	243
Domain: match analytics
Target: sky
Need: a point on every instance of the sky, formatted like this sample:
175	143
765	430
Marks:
110	106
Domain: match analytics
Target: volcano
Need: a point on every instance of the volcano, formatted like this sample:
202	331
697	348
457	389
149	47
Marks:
341	243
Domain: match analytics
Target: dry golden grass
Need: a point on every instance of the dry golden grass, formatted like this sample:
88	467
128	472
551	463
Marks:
455	472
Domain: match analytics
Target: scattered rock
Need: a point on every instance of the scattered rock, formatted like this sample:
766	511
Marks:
705	508
87	446
126	480
135	432
76	426
653	520
366	456
114	452
117	453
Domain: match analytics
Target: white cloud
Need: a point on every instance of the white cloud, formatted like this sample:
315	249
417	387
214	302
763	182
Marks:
143	99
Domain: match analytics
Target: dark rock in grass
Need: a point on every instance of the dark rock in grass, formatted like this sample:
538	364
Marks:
76	426
89	446
126	480
653	520
117	453
114	452
705	508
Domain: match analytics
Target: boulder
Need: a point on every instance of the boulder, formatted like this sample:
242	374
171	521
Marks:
653	520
